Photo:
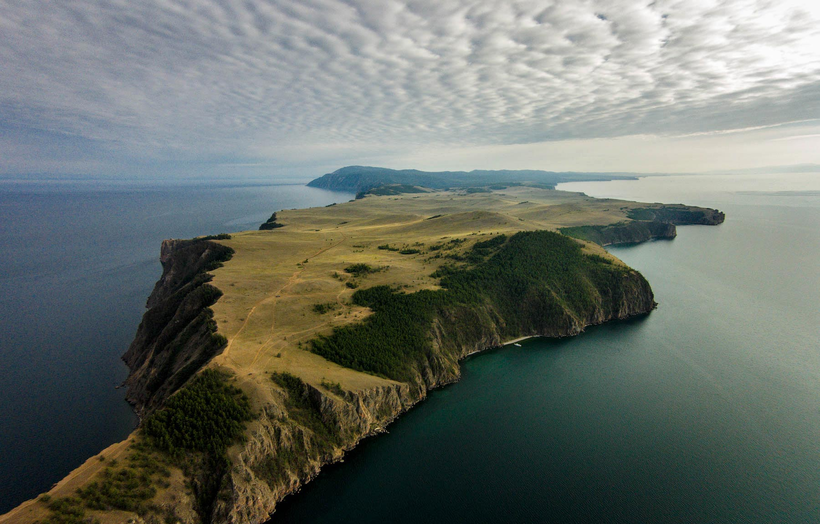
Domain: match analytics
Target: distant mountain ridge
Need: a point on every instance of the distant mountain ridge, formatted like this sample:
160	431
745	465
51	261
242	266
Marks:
357	179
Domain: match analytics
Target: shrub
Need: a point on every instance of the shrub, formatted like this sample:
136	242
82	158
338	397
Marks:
220	236
125	489
271	223
325	307
360	269
207	415
67	510
334	387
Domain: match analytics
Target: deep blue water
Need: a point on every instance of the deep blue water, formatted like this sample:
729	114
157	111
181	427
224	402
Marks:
706	410
77	262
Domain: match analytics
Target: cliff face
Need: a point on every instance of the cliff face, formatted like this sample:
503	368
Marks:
282	453
301	427
679	214
647	223
631	232
177	334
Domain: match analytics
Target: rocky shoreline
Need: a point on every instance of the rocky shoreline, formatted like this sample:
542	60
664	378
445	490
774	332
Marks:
250	497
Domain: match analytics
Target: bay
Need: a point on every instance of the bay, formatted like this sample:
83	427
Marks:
706	410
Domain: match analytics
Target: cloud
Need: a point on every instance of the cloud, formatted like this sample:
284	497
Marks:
196	78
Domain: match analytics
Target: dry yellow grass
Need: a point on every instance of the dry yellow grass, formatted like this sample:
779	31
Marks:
277	276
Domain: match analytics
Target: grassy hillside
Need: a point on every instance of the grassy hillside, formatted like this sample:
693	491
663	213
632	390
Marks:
325	325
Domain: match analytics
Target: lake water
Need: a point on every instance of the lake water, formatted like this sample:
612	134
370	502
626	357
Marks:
78	261
707	410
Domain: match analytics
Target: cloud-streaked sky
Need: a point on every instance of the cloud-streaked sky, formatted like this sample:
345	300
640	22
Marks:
119	86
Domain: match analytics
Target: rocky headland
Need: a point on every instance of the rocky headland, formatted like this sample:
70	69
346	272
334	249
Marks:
265	355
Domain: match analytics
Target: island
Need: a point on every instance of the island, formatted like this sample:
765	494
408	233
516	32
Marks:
265	355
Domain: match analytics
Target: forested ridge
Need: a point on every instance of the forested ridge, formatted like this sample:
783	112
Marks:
530	279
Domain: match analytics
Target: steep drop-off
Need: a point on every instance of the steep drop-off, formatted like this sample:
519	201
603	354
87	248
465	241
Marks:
177	335
556	291
329	323
647	223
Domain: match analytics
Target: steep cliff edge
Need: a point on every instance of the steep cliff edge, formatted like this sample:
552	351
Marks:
177	335
647	223
678	214
300	427
632	232
320	333
307	426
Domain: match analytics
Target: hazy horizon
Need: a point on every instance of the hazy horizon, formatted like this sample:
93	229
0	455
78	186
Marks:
233	89
194	177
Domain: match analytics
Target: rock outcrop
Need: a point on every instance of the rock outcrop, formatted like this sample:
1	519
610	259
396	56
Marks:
304	427
177	335
281	453
647	223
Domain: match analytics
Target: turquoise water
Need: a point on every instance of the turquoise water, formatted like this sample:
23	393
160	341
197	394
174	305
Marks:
706	410
78	261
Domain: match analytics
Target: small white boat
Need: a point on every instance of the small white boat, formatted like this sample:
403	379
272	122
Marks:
517	344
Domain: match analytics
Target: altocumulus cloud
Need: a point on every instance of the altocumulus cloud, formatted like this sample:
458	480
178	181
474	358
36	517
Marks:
225	77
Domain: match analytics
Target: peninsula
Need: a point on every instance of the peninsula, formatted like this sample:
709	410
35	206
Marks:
265	355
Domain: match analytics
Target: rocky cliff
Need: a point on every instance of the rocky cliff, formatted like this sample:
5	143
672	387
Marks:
286	448
307	426
177	335
631	232
647	223
301	427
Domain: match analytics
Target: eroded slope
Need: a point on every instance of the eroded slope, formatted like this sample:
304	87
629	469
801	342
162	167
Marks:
447	270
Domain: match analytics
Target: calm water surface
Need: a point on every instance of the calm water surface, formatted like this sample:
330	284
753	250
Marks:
78	262
707	410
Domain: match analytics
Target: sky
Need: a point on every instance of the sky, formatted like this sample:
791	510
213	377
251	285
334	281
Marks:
230	88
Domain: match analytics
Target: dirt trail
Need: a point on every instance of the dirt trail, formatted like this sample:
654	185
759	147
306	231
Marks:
294	278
